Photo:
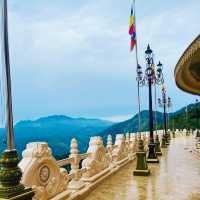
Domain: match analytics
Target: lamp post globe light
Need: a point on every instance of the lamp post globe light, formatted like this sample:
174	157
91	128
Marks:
151	77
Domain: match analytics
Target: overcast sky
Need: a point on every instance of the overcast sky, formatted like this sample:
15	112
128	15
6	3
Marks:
72	57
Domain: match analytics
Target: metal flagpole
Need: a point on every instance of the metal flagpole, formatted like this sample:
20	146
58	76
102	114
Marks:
8	92
138	84
141	166
10	173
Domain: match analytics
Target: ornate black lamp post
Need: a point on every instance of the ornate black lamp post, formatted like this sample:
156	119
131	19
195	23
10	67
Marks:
163	103
151	77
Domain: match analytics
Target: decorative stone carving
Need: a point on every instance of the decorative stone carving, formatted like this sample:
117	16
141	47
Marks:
127	140
109	146
97	160
146	139
75	183
132	146
121	151
41	171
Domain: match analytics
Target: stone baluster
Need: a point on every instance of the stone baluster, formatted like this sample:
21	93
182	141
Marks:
136	135
98	160
132	146
145	141
120	153
109	146
128	141
75	183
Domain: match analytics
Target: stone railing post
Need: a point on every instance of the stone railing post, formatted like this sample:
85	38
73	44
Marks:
41	172
120	152
75	183
97	161
127	141
109	146
132	146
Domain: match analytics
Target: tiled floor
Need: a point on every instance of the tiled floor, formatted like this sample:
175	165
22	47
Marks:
177	177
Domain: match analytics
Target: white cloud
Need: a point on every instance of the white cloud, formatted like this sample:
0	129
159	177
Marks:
83	47
118	118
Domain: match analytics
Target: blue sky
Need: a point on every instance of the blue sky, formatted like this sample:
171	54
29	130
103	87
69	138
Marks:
72	57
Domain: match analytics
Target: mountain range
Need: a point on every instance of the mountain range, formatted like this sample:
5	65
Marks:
58	130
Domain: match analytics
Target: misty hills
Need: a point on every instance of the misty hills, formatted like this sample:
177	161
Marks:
57	130
131	125
181	120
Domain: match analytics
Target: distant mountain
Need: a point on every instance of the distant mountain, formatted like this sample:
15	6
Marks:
131	125
57	130
189	119
181	120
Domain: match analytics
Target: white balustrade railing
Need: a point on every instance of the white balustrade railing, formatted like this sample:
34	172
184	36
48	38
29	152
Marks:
49	178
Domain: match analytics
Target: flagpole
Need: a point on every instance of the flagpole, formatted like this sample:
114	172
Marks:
6	62
138	84
141	166
10	173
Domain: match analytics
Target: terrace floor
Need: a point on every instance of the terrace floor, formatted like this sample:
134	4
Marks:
177	177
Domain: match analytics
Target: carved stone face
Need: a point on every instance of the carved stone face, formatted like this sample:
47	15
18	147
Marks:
44	174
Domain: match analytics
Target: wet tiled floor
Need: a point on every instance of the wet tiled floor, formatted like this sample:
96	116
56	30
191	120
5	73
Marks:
177	177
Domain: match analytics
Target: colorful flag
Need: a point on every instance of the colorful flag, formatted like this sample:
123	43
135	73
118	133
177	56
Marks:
132	30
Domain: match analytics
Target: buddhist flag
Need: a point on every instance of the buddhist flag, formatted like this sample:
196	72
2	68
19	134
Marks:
132	30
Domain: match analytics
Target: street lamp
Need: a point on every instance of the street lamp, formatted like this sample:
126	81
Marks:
151	77
163	103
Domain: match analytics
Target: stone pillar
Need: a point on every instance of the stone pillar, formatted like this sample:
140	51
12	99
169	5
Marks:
132	146
128	141
75	183
97	161
109	146
120	152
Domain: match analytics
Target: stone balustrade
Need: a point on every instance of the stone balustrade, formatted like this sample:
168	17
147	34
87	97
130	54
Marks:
50	179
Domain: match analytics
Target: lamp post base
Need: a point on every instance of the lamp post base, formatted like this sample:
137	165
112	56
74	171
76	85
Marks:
142	167
158	149
141	172
166	139
10	176
152	157
164	145
198	134
174	134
